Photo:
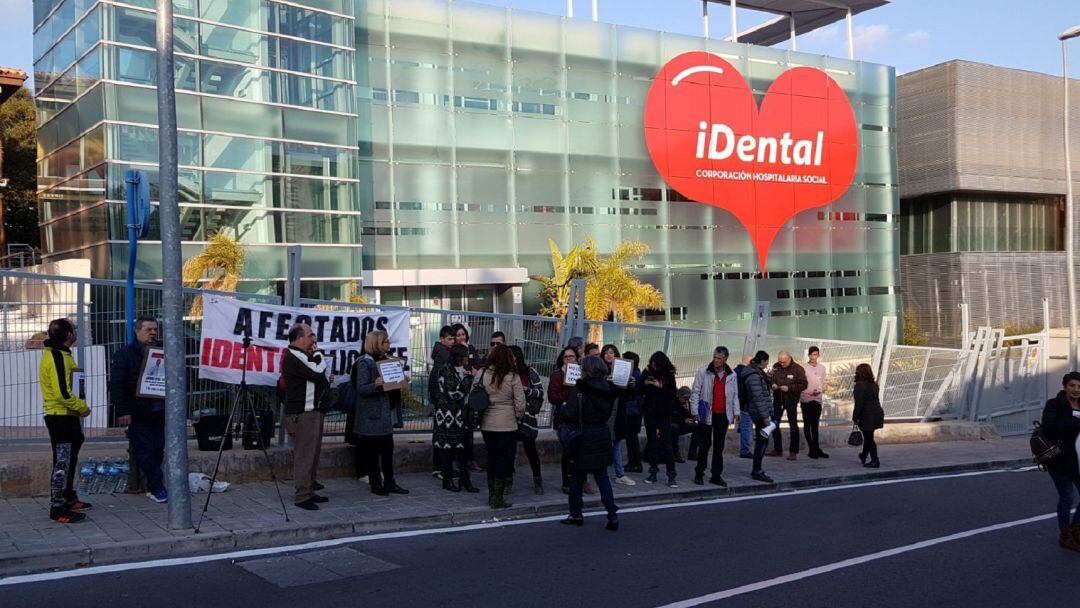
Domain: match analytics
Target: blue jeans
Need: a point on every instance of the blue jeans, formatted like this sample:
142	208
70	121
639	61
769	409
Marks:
746	430
1067	488
147	437
607	495
616	452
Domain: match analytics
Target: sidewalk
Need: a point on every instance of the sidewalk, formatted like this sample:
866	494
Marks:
123	528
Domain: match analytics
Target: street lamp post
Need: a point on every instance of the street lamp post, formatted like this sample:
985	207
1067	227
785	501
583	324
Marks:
176	456
1070	267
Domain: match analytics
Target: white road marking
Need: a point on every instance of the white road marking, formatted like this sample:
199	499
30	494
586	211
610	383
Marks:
855	561
322	544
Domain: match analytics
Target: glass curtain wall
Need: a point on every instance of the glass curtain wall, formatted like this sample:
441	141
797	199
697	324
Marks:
486	132
983	222
267	119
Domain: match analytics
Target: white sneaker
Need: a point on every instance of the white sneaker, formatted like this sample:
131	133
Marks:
626	481
364	479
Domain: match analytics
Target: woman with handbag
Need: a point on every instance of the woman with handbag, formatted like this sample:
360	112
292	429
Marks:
374	423
500	421
1061	424
658	401
868	415
617	423
588	412
528	429
632	428
558	393
453	378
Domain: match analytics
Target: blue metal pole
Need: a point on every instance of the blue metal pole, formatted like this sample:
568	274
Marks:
132	181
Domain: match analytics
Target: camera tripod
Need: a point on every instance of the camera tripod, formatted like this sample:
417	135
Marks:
244	403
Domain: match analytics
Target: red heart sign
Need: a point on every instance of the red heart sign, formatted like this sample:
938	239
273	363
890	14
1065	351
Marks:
712	144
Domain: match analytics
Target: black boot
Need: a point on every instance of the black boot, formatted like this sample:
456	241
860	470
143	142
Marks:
448	483
498	501
466	483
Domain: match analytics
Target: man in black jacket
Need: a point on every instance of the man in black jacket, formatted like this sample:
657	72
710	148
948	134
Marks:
145	418
306	384
788	382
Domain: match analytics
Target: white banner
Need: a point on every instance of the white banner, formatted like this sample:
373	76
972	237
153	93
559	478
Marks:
340	337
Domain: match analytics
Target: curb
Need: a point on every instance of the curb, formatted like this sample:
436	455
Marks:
217	542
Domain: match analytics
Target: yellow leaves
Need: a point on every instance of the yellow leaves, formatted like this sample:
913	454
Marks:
354	293
222	260
611	290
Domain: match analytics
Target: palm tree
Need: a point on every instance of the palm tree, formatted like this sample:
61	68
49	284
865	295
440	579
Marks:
223	260
611	291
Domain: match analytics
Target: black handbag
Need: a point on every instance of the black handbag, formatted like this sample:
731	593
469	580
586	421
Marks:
569	434
1043	449
478	399
476	402
346	397
529	426
855	438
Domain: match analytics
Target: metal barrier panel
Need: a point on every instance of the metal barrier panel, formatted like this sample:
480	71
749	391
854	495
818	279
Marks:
920	382
538	338
97	307
1014	390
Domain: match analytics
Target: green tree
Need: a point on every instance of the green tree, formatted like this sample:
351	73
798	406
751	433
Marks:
18	136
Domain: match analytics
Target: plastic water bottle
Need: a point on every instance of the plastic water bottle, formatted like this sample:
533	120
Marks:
86	476
125	471
113	479
101	472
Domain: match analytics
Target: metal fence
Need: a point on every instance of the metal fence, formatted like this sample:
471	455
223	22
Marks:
994	377
29	301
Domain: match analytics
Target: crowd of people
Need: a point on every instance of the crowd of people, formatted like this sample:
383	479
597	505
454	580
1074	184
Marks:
502	396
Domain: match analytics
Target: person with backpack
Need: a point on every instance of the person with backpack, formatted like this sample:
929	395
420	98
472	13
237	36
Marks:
528	429
453	379
1061	424
755	384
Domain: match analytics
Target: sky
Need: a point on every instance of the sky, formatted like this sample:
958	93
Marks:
908	34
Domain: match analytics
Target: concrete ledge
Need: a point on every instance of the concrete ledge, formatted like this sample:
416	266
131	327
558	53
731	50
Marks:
188	543
26	472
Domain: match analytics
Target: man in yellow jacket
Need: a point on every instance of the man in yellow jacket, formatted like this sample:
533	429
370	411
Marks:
63	409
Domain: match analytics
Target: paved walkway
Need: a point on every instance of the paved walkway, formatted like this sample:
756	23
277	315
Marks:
127	527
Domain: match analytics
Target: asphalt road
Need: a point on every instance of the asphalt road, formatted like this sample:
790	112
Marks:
660	557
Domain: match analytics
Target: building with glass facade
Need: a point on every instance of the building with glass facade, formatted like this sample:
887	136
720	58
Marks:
982	187
267	118
452	141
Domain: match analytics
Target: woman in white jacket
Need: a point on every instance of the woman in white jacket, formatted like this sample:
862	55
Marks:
715	394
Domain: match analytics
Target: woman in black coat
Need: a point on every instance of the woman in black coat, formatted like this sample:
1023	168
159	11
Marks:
868	414
1061	423
591	408
658	401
